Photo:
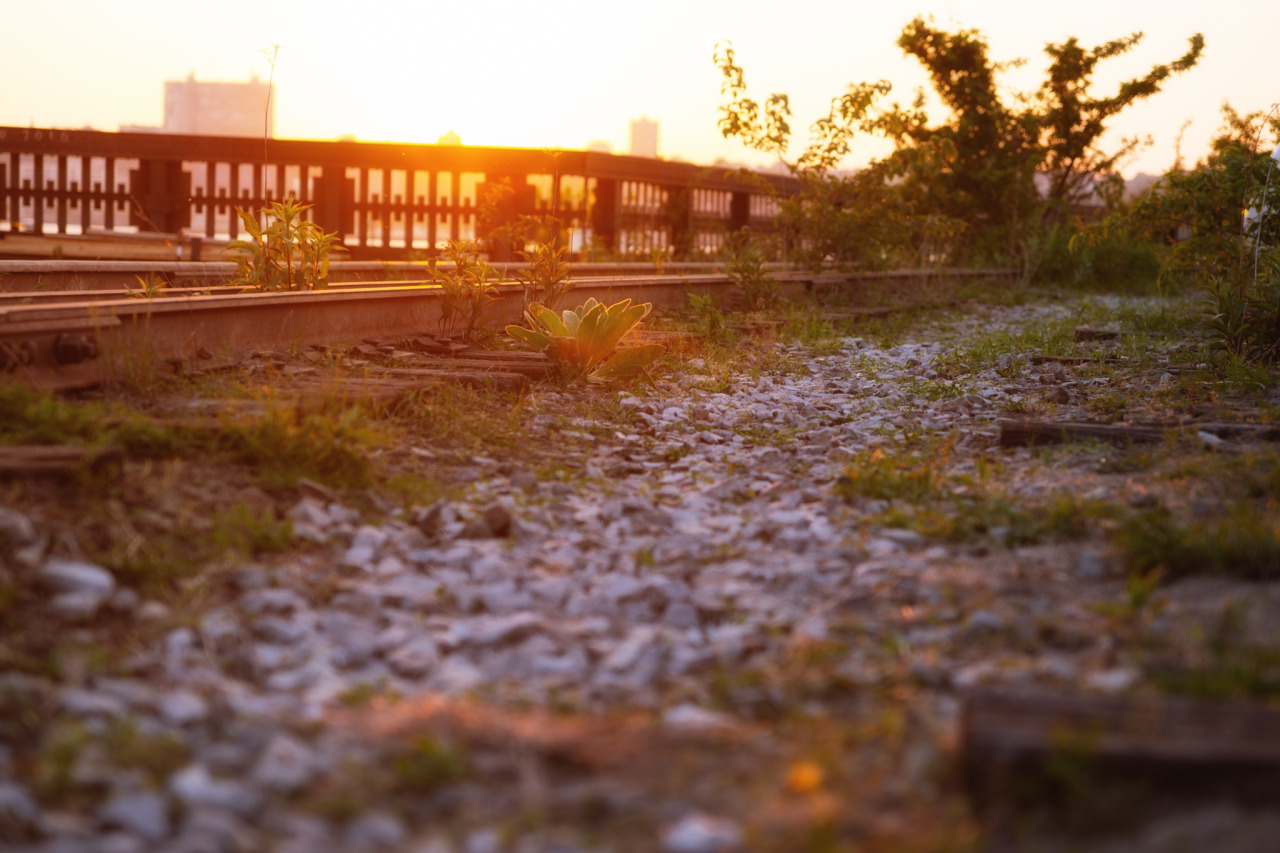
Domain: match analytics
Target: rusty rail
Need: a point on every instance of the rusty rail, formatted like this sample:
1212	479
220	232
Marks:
49	342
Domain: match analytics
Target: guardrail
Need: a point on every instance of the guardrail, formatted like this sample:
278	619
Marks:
385	200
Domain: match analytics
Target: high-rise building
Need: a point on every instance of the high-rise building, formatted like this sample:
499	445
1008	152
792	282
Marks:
642	137
219	109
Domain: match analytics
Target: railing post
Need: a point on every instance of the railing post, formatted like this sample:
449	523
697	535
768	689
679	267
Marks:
159	190
335	195
739	211
604	213
500	202
680	217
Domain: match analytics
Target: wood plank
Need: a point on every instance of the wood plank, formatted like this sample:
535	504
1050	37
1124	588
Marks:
1073	359
1022	433
43	460
535	369
1002	726
474	378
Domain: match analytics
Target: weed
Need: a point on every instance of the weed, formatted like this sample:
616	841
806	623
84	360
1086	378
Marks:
363	693
242	530
286	443
706	315
290	253
586	340
876	475
1244	544
547	278
151	286
746	266
156	754
426	764
466	289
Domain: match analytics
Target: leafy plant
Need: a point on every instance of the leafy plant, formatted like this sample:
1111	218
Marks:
973	176
153	285
586	339
290	253
466	288
706	314
547	278
747	267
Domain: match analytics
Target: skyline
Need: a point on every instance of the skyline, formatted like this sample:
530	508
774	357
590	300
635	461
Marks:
499	73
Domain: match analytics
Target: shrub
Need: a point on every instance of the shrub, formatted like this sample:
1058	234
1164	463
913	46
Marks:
290	253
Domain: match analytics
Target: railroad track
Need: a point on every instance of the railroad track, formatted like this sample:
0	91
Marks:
64	340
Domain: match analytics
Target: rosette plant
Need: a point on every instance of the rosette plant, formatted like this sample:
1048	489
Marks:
585	339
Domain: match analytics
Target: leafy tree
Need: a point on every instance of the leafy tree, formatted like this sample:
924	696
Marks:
1221	224
1197	214
974	174
844	218
1071	122
981	165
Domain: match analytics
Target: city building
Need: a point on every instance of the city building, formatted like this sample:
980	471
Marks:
216	108
642	137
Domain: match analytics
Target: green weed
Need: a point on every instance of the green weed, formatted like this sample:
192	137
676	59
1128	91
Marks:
1245	543
427	763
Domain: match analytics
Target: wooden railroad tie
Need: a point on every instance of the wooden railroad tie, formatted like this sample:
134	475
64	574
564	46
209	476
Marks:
1167	737
41	460
1023	433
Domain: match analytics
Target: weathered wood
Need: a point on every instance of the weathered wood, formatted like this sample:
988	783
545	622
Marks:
476	378
1084	333
23	461
1020	433
1073	359
856	313
535	369
1023	433
1005	726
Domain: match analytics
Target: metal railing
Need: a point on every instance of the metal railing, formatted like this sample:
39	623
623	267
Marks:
385	200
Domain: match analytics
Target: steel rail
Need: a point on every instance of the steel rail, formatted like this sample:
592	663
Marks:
51	343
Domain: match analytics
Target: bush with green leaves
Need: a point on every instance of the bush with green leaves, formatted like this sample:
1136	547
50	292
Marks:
585	340
289	253
747	267
466	288
546	279
1198	217
963	189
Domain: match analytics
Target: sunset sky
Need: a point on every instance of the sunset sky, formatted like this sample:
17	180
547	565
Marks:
561	73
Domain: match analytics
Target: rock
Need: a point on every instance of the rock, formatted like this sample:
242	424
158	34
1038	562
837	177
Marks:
77	605
700	833
144	813
87	703
194	786
365	548
17	807
983	622
182	708
377	831
691	718
1111	680
432	520
415	658
76	576
1089	567
285	765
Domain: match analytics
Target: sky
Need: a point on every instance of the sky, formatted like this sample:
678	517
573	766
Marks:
563	73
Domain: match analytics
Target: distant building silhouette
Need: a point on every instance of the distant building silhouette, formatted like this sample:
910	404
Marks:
642	137
601	145
449	138
216	109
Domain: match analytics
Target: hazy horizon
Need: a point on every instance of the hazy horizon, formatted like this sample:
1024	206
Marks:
564	75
